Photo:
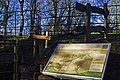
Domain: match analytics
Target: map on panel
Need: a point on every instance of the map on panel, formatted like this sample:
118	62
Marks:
78	61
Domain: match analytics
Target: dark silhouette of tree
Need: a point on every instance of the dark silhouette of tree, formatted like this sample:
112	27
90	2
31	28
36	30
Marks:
6	10
5	5
21	16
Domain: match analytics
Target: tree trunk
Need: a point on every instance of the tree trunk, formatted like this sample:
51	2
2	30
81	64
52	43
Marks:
32	16
5	20
69	19
22	17
31	22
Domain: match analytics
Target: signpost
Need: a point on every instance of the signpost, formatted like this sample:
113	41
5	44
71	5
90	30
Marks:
42	37
88	9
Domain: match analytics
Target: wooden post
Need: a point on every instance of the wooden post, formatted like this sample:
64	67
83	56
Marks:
106	13
46	41
16	71
34	47
14	60
87	24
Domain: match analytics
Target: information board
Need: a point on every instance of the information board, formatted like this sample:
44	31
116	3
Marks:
78	61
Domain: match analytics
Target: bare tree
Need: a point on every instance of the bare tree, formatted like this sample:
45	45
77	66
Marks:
38	13
21	16
5	5
56	10
114	15
7	10
1	21
32	15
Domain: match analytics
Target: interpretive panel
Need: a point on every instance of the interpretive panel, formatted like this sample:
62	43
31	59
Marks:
80	61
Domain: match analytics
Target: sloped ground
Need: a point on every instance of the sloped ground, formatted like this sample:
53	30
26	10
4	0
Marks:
113	68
